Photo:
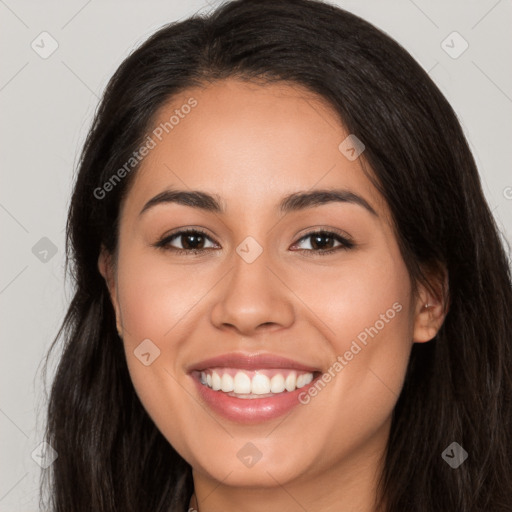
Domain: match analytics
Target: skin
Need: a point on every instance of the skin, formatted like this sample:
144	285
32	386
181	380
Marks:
252	145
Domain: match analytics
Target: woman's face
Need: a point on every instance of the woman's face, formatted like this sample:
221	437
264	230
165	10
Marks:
274	304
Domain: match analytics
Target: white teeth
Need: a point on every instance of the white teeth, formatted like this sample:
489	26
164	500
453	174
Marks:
242	383
304	379
290	382
260	384
227	384
277	384
216	382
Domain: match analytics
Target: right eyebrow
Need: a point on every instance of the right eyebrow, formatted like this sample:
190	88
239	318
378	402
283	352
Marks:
195	198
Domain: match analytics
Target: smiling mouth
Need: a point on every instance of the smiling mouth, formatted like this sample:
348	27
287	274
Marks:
254	384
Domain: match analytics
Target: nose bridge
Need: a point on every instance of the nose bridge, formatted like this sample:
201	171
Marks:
252	295
251	264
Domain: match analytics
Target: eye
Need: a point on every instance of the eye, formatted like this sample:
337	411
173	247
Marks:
323	242
192	241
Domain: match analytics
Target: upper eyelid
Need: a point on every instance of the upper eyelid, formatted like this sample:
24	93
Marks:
332	231
186	231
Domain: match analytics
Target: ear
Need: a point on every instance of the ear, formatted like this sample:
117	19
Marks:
107	270
431	307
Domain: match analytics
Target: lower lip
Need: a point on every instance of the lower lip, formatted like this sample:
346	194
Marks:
250	410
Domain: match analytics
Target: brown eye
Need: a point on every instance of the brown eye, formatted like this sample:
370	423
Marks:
324	242
191	241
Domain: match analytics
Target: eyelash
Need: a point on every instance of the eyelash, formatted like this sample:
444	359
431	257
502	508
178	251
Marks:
344	241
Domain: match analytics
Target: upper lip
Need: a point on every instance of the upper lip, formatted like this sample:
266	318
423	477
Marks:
250	362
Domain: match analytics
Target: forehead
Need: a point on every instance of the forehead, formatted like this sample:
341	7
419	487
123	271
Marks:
250	144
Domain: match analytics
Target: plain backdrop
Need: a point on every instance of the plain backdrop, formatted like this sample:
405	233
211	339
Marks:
46	109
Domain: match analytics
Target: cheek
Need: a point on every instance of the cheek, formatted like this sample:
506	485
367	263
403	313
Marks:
363	310
365	296
156	302
155	295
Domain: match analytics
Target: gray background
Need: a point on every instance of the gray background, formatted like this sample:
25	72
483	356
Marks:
47	106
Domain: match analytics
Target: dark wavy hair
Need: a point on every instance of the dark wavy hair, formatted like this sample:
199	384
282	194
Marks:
458	387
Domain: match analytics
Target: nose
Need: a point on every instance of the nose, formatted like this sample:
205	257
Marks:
253	298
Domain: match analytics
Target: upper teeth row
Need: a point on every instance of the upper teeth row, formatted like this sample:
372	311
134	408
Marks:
259	384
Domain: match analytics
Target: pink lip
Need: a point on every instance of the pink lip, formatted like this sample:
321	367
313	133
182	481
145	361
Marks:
242	410
250	362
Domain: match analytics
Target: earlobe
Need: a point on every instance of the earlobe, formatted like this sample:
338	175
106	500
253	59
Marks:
431	308
428	321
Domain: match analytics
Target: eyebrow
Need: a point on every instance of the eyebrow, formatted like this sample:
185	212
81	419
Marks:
292	202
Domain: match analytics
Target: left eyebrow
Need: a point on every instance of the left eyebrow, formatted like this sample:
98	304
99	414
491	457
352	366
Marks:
302	200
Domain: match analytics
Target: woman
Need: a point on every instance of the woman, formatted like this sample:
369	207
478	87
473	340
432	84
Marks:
290	291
